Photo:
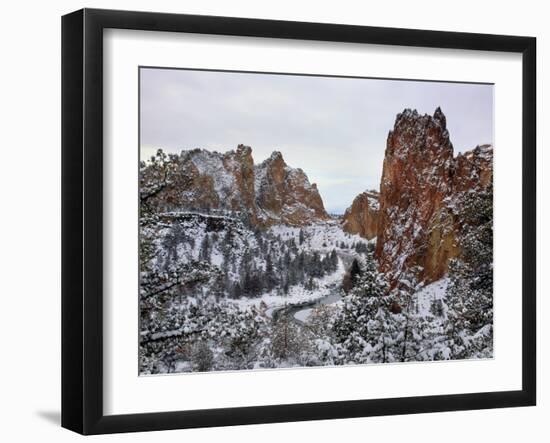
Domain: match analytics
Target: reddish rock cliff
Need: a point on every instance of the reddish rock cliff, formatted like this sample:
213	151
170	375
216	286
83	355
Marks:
362	216
473	169
284	194
421	182
269	193
240	165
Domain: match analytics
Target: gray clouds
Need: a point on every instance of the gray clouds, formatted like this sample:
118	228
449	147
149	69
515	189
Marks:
335	129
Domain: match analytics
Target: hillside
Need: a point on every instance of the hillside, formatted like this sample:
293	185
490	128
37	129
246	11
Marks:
242	268
267	193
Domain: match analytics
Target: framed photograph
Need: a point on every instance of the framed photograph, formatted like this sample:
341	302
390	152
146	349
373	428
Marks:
269	221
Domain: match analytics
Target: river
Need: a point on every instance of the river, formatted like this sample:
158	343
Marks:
300	311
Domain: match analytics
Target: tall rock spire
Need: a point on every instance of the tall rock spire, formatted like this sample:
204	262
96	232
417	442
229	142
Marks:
417	224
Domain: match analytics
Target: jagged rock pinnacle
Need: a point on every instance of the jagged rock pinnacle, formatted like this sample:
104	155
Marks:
439	116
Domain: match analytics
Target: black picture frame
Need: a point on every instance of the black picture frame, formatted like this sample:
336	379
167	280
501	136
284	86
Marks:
82	218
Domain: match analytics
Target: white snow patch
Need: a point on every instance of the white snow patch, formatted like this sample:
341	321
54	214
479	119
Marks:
303	315
429	293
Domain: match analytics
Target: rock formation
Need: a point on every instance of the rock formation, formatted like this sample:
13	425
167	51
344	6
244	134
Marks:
415	218
362	216
268	193
418	223
284	194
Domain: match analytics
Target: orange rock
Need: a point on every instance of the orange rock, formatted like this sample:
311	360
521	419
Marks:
362	216
421	180
271	192
284	194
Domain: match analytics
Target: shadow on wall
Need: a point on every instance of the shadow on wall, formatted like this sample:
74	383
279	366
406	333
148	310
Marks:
54	417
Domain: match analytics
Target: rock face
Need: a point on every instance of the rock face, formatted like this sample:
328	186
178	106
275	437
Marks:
211	180
269	193
421	183
362	216
284	194
473	169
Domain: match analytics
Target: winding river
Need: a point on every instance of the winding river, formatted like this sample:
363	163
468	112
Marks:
300	311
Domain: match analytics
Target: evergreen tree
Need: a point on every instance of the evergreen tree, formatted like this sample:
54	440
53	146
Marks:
204	253
245	330
202	357
334	260
288	341
436	308
301	237
355	271
352	327
314	265
286	287
385	328
469	328
321	320
270	279
301	262
252	284
353	274
409	340
155	176
236	291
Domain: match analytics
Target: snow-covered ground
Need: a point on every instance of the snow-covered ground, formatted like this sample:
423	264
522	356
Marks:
424	299
429	293
322	236
303	315
297	294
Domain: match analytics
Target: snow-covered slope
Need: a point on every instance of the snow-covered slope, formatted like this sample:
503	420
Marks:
284	265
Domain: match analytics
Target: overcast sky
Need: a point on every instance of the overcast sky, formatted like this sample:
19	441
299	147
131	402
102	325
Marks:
335	129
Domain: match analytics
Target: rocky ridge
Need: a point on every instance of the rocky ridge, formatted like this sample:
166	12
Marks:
269	193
